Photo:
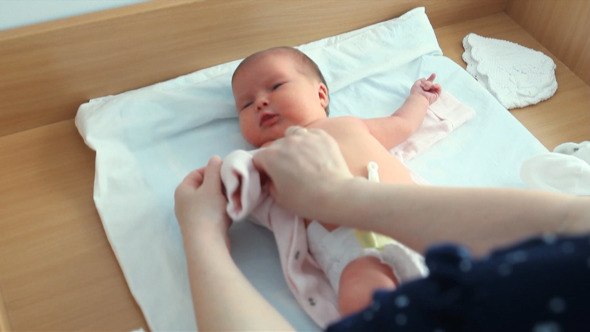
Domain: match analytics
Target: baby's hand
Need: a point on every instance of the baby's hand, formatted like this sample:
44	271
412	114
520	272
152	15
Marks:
427	88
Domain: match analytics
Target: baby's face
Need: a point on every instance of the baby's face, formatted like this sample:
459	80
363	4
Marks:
271	94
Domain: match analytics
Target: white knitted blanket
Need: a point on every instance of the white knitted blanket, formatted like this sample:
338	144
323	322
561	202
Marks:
516	75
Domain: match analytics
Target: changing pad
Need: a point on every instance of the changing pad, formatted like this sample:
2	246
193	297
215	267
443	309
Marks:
516	75
147	140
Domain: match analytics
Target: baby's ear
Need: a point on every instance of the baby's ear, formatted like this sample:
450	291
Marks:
323	95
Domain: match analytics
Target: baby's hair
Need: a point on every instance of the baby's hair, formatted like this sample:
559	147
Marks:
309	67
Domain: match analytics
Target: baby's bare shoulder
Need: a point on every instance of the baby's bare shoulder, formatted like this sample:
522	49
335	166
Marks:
344	128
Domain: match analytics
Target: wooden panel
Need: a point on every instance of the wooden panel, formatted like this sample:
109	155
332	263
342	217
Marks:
49	69
4	319
561	26
565	117
57	270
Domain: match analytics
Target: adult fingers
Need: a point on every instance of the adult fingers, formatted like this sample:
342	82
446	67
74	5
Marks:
192	181
293	130
212	175
188	185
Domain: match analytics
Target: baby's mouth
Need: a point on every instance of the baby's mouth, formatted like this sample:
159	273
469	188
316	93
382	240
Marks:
267	120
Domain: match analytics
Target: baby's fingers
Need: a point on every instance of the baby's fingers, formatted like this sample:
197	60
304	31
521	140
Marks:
435	88
426	85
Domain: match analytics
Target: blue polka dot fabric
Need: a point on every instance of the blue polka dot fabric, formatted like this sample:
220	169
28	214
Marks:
538	285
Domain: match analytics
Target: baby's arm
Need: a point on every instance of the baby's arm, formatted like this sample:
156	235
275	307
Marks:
394	129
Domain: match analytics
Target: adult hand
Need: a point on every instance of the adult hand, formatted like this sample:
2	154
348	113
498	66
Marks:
200	204
218	287
305	168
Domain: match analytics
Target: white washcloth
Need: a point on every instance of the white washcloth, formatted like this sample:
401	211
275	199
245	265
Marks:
565	170
516	75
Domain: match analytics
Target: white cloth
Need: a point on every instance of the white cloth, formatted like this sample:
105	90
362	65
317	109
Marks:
516	75
566	170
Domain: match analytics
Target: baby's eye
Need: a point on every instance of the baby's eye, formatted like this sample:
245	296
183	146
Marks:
276	86
246	105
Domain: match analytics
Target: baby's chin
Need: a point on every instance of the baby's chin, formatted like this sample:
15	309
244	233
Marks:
260	143
265	137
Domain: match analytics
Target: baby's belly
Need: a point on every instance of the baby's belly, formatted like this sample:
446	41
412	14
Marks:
390	169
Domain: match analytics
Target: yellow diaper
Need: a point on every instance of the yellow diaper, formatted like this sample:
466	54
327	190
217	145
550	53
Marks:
371	239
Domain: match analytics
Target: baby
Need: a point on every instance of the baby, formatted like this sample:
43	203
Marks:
281	87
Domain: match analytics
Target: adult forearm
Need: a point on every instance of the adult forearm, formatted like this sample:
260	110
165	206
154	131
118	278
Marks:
310	177
480	218
223	298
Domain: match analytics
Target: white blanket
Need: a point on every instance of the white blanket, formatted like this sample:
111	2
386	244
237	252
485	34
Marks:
148	139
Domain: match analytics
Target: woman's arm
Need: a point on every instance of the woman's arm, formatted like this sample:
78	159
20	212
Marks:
479	218
309	177
223	298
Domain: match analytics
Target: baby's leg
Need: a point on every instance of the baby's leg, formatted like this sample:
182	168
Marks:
359	280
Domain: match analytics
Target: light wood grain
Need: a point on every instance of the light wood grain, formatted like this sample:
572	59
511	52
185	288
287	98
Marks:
57	270
561	26
565	117
49	69
4	318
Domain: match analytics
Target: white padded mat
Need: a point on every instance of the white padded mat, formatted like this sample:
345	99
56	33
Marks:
148	139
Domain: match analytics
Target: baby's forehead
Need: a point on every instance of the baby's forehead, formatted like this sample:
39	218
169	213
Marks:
269	55
261	59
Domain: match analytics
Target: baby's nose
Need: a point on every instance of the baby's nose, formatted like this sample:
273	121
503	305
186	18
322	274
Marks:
261	103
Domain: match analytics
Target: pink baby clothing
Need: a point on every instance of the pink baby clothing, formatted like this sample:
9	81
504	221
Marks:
312	289
442	117
247	198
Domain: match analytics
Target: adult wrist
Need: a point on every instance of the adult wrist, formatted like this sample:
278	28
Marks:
340	200
201	235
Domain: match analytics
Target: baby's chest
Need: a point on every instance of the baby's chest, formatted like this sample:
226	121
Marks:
389	168
359	147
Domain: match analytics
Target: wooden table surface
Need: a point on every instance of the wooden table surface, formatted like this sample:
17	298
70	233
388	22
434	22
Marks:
57	269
